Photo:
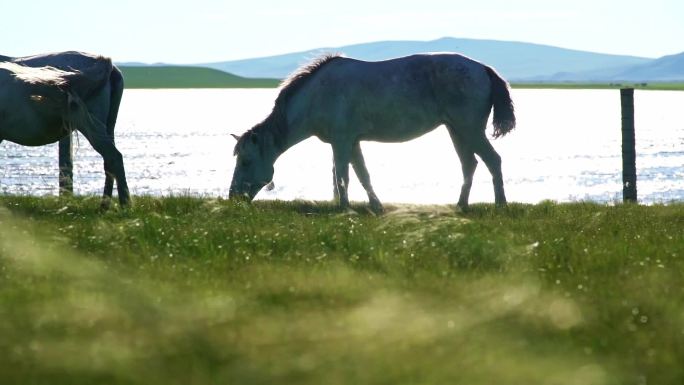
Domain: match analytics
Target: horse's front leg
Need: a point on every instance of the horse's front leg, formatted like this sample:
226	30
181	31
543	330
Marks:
359	165
341	157
336	194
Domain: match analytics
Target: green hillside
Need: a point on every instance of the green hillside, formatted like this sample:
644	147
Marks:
188	77
199	77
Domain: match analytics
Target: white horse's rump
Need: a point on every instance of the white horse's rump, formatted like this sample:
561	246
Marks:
37	75
343	101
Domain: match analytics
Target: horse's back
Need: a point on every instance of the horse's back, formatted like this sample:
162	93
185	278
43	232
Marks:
67	60
394	100
412	69
417	79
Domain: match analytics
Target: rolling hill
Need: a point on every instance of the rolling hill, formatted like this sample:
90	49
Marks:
187	77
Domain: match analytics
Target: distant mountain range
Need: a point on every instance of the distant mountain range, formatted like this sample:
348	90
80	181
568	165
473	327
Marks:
515	60
667	68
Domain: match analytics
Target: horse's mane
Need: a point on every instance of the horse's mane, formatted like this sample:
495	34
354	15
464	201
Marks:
295	81
37	75
276	122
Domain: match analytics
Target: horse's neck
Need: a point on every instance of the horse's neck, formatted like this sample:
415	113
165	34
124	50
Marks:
292	134
298	128
296	134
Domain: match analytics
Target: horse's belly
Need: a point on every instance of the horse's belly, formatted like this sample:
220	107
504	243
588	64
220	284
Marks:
27	132
394	137
398	131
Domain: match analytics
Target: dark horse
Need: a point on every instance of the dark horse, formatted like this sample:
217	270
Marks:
44	97
343	101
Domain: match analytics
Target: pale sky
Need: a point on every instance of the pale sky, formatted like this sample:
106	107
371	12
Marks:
216	30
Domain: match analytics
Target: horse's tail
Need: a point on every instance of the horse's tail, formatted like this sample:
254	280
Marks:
75	114
504	114
81	85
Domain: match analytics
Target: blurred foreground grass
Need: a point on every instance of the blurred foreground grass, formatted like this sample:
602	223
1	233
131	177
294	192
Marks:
199	291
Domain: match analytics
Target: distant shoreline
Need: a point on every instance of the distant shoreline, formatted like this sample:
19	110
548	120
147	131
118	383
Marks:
182	77
675	86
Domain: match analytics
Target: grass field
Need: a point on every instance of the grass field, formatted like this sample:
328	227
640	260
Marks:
188	77
204	291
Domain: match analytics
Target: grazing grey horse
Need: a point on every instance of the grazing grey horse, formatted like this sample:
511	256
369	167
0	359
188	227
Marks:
343	101
45	97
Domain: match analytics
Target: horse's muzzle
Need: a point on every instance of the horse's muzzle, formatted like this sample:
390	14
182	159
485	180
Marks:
245	191
239	195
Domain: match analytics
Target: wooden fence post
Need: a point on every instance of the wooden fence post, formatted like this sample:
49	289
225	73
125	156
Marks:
629	187
66	165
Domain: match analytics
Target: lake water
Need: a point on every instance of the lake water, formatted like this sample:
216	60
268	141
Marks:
566	147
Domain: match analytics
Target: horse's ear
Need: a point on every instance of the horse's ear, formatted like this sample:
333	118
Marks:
237	137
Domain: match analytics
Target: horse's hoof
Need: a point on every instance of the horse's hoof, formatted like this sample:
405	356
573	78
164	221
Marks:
105	204
376	208
125	202
461	208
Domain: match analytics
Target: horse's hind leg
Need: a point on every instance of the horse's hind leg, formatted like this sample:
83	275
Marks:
113	160
116	92
483	148
359	165
108	187
468	165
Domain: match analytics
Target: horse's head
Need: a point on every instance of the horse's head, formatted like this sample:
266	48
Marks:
256	154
